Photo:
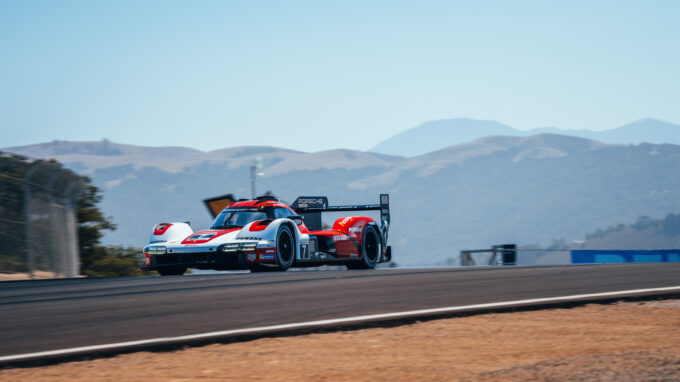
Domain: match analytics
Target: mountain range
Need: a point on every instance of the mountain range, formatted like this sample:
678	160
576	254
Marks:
493	190
435	135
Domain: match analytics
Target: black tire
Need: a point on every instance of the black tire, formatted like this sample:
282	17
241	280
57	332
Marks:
285	248
370	250
172	271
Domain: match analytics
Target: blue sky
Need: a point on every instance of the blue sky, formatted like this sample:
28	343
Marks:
316	75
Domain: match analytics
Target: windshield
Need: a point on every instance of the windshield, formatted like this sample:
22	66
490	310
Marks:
236	218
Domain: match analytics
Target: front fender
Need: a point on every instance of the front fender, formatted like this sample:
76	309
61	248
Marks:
169	232
267	230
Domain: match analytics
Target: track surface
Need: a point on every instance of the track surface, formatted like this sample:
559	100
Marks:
45	315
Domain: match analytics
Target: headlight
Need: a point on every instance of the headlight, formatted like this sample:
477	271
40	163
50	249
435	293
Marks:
266	243
156	250
231	247
248	246
235	247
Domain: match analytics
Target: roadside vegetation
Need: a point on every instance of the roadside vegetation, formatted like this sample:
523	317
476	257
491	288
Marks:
96	260
644	234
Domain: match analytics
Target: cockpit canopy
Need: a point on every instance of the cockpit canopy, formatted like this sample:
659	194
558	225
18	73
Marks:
237	217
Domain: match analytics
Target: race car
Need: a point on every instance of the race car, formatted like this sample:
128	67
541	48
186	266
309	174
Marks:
265	234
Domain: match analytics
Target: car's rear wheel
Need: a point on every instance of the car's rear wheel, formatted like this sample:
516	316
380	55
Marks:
172	271
370	250
285	248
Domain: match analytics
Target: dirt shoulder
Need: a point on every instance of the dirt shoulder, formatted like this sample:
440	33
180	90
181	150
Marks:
37	275
619	342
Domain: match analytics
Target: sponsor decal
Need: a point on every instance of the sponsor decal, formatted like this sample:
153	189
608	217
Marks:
339	237
355	229
266	257
318	203
345	220
205	236
252	257
248	238
269	251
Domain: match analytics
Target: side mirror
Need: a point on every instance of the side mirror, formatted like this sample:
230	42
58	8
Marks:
297	219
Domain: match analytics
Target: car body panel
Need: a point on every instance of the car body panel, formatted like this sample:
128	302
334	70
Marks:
227	246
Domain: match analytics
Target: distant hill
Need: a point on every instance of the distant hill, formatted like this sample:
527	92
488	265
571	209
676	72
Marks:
490	191
436	135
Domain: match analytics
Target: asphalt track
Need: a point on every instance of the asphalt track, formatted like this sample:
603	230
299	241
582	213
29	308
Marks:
44	315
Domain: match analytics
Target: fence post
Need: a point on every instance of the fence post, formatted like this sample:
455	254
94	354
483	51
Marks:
27	211
73	263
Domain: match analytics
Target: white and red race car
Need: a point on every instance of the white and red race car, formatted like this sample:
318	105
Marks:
265	234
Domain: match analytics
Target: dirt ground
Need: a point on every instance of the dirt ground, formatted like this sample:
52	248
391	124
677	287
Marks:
619	342
25	276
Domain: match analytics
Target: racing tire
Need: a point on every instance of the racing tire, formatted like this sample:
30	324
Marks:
172	271
370	250
285	248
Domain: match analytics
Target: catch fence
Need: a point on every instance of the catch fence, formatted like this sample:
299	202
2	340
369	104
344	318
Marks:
38	221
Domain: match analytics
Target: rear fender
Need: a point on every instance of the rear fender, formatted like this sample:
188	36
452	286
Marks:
354	226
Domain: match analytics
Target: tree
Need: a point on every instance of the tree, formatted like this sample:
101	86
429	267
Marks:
12	220
112	261
671	225
91	224
95	259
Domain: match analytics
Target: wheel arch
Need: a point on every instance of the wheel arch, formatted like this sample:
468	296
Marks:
271	231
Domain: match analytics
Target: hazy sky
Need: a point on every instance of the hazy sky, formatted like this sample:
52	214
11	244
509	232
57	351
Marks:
315	75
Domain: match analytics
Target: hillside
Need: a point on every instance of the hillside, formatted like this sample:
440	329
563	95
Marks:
436	135
490	191
645	233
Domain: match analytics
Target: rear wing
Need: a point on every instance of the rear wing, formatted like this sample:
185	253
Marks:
311	207
218	203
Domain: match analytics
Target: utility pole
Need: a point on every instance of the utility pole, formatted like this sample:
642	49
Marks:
255	170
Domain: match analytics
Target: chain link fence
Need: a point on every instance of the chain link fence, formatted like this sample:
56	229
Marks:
38	222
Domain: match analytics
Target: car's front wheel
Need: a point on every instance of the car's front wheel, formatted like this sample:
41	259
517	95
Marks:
285	248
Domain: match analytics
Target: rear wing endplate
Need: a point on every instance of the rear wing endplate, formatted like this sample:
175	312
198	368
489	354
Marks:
311	207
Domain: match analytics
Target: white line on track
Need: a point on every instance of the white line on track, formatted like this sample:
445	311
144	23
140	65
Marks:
333	321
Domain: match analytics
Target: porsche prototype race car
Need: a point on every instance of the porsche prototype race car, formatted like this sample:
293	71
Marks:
265	234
